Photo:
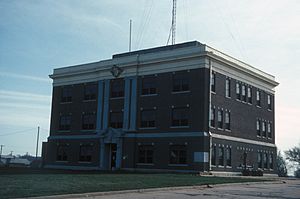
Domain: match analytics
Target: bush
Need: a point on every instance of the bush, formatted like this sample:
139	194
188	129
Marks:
249	172
297	173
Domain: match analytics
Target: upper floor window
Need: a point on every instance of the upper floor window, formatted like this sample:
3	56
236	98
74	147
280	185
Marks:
258	96
145	154
213	82
180	116
227	120
117	88
269	102
116	120
147	118
66	94
65	122
249	93
221	156
269	129
213	155
244	98
227	88
220	119
61	152
258	127
180	83
212	117
85	153
88	121
238	90
264	134
149	86
178	154
90	91
228	156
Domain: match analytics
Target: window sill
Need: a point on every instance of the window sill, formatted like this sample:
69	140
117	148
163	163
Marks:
91	100
145	164
179	127
258	106
270	110
147	128
220	129
214	166
64	131
65	102
178	165
149	95
213	92
88	130
220	166
62	161
228	130
250	104
84	162
116	98
212	127
179	92
228	97
228	167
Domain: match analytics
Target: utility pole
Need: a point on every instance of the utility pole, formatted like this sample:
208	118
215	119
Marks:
174	22
37	142
130	27
1	146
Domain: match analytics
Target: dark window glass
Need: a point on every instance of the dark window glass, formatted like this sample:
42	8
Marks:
258	96
269	102
88	121
116	120
147	118
258	127
271	161
65	122
265	160
228	156
220	119
264	133
61	153
180	83
66	94
269	129
178	154
85	154
145	154
213	82
244	98
249	93
90	91
221	156
180	116
212	117
227	88
238	91
227	120
148	86
213	155
259	160
117	88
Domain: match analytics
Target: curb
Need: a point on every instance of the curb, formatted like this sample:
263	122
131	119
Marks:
107	193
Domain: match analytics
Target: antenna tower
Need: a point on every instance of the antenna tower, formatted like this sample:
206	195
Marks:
174	22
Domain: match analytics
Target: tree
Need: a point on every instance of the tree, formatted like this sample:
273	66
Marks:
293	155
281	165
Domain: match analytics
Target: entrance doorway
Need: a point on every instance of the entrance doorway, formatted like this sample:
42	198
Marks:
113	156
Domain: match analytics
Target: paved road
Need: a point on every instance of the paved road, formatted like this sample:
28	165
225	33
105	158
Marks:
288	190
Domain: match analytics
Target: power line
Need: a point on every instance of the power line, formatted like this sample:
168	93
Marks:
17	132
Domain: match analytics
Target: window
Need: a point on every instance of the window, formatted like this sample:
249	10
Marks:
178	154
148	86
88	121
147	118
269	130
220	119
258	98
65	122
85	154
238	91
244	93
116	120
180	83
180	116
259	160
66	94
61	153
212	117
213	155
227	120
258	127
213	82
145	154
269	102
117	88
90	91
264	133
221	156
249	93
227	88
265	160
228	156
271	161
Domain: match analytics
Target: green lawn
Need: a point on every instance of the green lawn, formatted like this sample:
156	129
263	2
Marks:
25	185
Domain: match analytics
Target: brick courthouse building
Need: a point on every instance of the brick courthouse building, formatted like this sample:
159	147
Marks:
180	107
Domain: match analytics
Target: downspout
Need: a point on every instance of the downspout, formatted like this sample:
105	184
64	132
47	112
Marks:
209	112
136	75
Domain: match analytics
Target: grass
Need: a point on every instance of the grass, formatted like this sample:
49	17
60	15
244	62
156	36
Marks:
42	184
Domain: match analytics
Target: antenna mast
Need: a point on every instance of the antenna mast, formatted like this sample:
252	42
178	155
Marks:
174	22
